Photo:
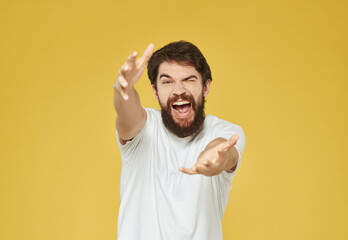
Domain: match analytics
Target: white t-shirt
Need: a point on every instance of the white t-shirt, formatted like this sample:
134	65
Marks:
160	202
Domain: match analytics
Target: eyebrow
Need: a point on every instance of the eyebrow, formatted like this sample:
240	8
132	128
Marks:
164	75
192	76
167	76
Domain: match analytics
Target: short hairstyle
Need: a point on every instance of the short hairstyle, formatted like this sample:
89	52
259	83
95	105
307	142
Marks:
181	52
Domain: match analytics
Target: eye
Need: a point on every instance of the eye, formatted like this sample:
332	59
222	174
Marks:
191	80
167	82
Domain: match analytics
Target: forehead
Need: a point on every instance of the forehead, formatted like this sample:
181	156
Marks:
177	70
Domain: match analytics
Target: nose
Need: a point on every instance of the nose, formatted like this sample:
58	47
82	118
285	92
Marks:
179	88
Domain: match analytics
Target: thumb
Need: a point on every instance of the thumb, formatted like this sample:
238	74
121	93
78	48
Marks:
146	55
223	147
233	140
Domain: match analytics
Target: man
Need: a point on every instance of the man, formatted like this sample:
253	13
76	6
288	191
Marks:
177	163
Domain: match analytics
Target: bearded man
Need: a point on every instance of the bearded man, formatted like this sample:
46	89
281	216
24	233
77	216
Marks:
177	163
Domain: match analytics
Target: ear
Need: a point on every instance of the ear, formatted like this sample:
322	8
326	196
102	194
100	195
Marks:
206	88
154	91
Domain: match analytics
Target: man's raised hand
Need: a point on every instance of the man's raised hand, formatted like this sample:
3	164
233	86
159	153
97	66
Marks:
131	71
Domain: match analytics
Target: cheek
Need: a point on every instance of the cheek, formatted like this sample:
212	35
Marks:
162	99
197	94
163	95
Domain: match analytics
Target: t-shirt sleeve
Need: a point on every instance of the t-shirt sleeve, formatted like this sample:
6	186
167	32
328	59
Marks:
129	147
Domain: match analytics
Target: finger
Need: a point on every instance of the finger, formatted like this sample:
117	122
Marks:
201	169
124	70
124	95
131	58
207	163
198	168
122	81
210	165
121	89
233	140
228	144
224	147
146	55
187	171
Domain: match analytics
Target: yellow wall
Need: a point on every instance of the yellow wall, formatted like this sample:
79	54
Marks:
279	70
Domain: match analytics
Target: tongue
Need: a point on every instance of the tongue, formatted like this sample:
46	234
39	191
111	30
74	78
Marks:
183	108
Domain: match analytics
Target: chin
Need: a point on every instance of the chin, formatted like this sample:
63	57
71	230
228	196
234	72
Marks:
183	122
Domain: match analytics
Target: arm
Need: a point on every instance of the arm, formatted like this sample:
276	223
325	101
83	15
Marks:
131	117
218	156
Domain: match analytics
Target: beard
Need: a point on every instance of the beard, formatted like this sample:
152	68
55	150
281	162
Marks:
184	128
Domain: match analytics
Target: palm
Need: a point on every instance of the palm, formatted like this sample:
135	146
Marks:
211	161
132	70
136	68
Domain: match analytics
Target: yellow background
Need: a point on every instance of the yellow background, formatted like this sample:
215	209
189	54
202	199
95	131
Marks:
279	70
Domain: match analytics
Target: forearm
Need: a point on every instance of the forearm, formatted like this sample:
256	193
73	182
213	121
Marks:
127	109
130	115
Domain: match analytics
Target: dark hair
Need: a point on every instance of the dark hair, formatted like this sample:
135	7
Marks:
180	52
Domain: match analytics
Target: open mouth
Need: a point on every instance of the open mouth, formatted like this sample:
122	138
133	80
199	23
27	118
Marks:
182	108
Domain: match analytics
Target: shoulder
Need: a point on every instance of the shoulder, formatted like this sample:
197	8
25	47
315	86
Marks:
152	113
153	118
216	127
215	123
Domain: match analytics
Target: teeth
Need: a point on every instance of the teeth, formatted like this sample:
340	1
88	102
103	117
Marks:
181	103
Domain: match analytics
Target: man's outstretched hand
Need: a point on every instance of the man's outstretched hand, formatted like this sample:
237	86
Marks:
131	71
219	155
